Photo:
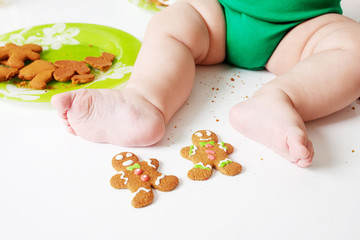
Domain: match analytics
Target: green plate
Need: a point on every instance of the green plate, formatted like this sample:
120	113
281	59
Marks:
73	41
149	6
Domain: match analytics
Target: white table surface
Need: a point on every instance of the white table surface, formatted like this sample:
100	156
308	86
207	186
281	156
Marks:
54	185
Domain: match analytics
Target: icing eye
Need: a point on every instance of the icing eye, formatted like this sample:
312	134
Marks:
198	134
127	163
208	133
129	155
119	157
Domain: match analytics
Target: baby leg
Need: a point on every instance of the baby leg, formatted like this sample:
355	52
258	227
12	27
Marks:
177	38
317	64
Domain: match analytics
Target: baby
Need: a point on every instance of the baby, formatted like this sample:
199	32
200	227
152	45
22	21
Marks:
312	49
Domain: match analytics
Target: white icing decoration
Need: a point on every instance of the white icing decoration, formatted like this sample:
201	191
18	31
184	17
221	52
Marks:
119	157
198	134
225	160
157	182
220	146
123	177
128	163
208	133
201	164
149	162
142	188
129	155
205	139
193	152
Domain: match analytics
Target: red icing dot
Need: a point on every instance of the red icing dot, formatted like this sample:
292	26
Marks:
211	157
209	151
138	171
145	178
208	145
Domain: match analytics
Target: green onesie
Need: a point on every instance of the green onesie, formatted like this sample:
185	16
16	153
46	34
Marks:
255	27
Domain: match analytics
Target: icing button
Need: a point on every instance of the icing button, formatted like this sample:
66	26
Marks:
208	145
145	178
208	151
138	171
211	157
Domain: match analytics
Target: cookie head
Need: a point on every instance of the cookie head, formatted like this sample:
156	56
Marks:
203	136
123	160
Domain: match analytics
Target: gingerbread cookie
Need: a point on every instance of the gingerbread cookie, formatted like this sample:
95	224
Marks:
102	63
39	73
85	78
139	177
14	56
207	153
67	69
7	74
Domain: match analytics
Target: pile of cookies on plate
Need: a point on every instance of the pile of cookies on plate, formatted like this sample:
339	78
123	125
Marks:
38	73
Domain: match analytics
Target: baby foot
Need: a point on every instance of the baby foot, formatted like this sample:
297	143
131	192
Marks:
121	117
271	119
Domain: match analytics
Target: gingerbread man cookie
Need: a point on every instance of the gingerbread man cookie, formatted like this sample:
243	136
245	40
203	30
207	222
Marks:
102	63
39	73
7	74
67	69
139	177
14	56
207	153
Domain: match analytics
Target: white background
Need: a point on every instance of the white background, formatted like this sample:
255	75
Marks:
54	185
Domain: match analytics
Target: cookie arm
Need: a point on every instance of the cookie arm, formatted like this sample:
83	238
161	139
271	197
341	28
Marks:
3	53
118	181
165	183
152	162
185	152
227	147
230	148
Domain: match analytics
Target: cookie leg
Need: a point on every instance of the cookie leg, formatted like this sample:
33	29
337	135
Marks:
228	167
199	174
142	198
166	183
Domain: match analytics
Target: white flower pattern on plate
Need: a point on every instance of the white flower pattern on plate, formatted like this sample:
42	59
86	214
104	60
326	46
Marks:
21	93
117	71
52	38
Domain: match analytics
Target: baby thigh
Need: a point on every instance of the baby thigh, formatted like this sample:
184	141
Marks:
317	65
197	24
188	32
